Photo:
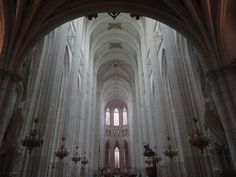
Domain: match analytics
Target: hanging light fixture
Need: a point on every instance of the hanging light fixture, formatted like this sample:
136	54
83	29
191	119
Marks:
84	160
148	161
62	152
198	139
32	139
76	158
170	151
157	157
148	152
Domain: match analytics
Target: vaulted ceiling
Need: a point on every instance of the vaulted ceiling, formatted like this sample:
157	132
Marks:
114	46
209	24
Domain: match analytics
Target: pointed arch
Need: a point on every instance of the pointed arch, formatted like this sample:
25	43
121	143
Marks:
125	116
107	154
117	157
126	155
116	117
1	25
107	117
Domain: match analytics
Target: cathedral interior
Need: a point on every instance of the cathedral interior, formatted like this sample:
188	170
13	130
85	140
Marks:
117	88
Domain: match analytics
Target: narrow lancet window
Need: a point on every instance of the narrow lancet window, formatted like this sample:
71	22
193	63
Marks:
117	158
116	117
107	117
125	117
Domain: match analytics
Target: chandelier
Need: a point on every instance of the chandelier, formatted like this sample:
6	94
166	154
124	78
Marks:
76	158
148	152
62	152
198	139
32	139
170	151
148	161
152	157
84	160
156	158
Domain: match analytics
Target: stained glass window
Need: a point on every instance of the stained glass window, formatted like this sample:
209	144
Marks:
117	158
107	117
116	117
125	117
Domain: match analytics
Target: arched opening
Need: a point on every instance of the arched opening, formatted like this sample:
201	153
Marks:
180	19
116	60
117	158
107	117
107	156
125	117
126	156
116	117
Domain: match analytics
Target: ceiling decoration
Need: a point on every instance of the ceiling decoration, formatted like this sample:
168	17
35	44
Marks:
115	54
113	45
114	14
135	16
92	16
114	26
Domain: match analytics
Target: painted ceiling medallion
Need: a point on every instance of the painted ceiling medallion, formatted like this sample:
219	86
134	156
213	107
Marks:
114	14
114	26
115	45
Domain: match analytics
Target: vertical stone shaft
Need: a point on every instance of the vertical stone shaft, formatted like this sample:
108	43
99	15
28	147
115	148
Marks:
8	95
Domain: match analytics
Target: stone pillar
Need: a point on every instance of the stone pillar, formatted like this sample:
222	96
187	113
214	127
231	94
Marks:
8	96
11	145
14	163
223	90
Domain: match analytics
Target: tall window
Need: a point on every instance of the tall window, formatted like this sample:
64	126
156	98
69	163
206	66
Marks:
116	117
117	157
125	117
107	116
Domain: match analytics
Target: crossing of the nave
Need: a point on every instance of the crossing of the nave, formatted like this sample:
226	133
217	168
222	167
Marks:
115	95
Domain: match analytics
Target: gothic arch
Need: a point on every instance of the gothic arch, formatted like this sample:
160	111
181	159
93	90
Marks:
107	154
201	22
126	155
1	26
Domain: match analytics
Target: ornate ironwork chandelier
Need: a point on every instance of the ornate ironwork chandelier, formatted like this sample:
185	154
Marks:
170	150
32	139
76	158
198	139
62	152
156	158
148	161
84	160
148	152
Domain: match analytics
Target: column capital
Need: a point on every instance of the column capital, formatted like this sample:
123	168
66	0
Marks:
231	67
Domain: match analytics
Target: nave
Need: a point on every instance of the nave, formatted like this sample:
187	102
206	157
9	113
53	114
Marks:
116	95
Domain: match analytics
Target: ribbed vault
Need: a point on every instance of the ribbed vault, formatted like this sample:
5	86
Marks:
201	21
115	46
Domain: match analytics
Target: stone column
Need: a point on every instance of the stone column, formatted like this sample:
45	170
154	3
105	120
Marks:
12	144
223	90
8	95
